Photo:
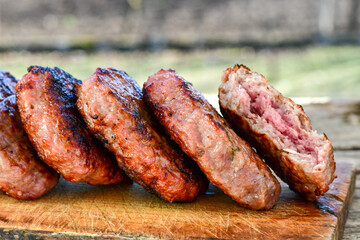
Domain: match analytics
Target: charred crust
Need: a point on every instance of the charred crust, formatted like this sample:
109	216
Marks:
136	113
209	115
109	71
140	126
188	174
104	74
4	74
196	99
5	88
57	73
103	140
33	69
77	135
219	124
187	87
25	85
146	95
102	71
7	84
239	66
155	106
94	116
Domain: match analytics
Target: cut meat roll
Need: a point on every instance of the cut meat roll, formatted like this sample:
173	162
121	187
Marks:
279	130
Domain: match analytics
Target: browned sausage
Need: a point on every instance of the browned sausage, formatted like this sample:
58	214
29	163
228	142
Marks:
280	131
46	100
111	103
227	160
7	84
22	174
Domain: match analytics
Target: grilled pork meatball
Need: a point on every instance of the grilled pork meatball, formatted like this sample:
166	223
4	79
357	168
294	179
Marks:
7	84
227	160
46	100
112	105
280	131
22	174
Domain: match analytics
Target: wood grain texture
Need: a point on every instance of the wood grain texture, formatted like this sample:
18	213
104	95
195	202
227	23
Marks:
125	211
352	225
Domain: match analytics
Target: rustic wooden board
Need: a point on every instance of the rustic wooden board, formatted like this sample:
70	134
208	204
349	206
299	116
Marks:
80	211
352	225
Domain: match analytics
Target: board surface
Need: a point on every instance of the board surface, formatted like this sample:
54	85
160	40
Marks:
126	211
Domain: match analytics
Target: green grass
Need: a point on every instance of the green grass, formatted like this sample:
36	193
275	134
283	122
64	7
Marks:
312	71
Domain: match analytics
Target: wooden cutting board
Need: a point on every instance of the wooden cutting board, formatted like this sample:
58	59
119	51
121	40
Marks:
81	211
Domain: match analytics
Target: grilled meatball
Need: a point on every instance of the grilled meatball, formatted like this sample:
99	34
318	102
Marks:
46	100
111	103
7	84
227	160
280	131
22	174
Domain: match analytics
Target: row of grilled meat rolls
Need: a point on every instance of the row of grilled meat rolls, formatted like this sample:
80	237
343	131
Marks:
165	137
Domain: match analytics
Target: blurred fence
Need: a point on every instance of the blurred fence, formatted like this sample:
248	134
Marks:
66	24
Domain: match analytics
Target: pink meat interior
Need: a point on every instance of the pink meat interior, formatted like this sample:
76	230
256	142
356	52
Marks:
269	112
264	107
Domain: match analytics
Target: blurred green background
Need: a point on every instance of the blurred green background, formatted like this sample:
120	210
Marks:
304	48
